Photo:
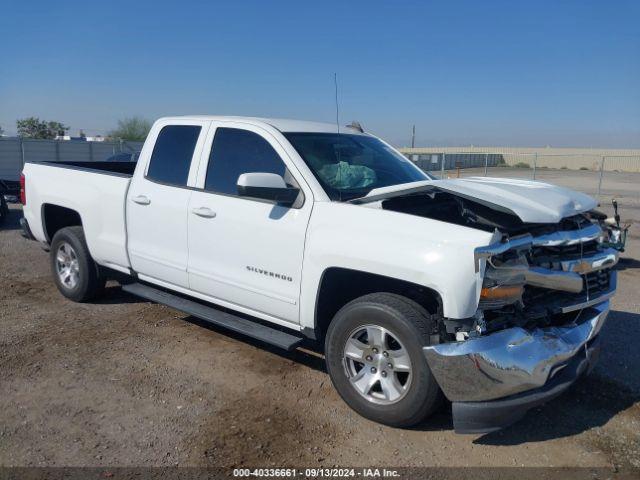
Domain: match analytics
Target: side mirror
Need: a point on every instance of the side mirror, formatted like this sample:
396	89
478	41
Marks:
266	186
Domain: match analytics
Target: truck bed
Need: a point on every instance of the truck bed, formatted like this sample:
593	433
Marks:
120	168
95	190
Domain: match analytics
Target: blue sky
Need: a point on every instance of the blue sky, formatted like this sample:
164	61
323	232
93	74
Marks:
563	73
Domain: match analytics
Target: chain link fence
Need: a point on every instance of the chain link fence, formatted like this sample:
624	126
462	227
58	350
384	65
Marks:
604	175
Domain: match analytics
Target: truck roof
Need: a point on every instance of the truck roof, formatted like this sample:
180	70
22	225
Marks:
282	124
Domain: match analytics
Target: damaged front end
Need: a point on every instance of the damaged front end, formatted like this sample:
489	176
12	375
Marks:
559	272
544	298
546	281
615	235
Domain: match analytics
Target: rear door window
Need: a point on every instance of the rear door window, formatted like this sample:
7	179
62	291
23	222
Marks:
172	154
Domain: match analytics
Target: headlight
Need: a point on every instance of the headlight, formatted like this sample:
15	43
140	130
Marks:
503	282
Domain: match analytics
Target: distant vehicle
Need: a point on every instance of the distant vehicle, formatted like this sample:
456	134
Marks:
491	291
124	157
5	189
9	187
4	209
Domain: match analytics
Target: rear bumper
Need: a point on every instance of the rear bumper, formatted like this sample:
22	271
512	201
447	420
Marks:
493	380
26	231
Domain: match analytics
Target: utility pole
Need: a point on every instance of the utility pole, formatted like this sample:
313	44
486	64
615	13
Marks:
600	180
413	137
335	83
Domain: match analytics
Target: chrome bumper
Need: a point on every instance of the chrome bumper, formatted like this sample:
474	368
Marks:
511	361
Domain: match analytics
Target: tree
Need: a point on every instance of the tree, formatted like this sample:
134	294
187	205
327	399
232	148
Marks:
134	129
33	127
1	131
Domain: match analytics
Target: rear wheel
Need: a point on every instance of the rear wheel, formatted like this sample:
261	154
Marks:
75	273
374	356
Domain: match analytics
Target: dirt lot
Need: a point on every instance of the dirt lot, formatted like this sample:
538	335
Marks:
123	382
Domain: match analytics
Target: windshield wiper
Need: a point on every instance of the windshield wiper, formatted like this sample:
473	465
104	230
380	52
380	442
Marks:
350	197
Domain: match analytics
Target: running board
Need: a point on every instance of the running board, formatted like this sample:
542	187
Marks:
215	316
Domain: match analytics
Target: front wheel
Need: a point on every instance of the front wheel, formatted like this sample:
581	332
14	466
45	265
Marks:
75	273
374	356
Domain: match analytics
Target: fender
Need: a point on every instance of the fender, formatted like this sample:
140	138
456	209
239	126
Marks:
422	251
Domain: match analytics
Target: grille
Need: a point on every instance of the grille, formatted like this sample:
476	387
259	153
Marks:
550	257
540	302
596	282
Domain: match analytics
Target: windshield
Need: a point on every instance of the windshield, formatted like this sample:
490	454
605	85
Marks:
350	166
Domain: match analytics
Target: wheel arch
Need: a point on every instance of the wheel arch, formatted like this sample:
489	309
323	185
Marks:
338	286
56	217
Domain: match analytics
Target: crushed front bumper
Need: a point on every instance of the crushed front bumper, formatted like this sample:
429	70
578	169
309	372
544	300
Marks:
494	379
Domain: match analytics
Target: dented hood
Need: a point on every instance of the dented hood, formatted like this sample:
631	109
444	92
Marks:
531	201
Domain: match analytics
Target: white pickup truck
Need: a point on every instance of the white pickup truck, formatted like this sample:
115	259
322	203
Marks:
489	292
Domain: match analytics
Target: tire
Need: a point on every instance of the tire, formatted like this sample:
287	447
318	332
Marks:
4	210
407	325
74	272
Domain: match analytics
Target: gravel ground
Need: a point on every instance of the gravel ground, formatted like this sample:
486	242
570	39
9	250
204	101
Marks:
122	382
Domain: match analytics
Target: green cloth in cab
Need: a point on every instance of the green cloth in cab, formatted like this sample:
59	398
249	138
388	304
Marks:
342	176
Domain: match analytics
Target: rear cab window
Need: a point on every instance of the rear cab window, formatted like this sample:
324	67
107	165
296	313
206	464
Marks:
172	153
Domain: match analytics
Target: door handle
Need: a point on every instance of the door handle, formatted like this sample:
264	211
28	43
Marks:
204	212
141	200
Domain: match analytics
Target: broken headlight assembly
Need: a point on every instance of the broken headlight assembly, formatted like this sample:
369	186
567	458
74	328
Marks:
615	234
503	282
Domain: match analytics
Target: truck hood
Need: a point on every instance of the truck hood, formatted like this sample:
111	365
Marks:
531	201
